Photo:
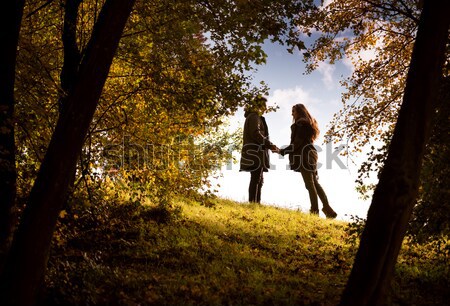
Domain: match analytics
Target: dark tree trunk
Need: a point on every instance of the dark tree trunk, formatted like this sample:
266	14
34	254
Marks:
396	191
72	58
26	262
72	55
10	20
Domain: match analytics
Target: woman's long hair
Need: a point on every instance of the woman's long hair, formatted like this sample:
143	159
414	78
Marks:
303	114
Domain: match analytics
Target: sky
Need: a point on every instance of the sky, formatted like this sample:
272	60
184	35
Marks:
320	91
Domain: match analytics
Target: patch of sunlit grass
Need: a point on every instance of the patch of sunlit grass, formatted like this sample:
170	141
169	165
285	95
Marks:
230	253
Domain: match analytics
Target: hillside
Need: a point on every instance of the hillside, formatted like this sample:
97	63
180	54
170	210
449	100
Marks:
225	254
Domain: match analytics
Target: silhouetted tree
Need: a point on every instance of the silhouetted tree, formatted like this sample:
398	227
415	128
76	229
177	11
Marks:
397	189
10	20
26	261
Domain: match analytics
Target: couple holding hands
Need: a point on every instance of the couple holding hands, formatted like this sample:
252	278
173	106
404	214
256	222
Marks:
302	153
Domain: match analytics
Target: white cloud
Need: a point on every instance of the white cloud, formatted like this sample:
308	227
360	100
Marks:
365	55
327	70
326	3
288	97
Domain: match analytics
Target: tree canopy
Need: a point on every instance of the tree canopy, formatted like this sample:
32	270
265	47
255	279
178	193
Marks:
180	69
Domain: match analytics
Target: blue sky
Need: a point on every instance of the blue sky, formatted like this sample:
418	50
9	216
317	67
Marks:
321	93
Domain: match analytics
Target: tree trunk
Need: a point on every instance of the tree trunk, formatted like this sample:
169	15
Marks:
69	71
396	191
10	20
26	262
72	55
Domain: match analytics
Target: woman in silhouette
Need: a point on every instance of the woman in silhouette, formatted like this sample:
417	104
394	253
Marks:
303	157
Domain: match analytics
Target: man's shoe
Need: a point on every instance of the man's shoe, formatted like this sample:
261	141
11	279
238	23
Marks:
314	211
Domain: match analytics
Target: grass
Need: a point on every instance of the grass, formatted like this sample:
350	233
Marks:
228	254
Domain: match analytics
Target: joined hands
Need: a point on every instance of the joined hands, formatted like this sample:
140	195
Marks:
275	149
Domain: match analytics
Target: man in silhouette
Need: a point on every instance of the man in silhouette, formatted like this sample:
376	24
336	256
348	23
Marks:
255	149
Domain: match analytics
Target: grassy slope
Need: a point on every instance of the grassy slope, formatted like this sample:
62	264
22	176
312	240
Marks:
230	254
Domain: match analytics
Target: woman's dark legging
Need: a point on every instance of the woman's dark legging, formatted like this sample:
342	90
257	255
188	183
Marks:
314	189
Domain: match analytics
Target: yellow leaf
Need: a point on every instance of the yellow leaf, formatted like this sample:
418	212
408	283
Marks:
62	214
